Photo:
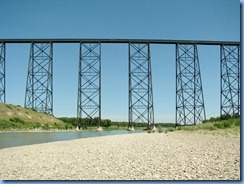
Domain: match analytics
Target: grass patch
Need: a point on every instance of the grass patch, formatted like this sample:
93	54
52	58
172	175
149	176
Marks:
225	127
9	106
17	120
171	129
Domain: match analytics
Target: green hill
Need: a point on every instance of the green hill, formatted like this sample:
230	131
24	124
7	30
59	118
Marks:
18	118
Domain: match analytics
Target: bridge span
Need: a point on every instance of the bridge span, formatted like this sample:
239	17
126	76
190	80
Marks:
190	108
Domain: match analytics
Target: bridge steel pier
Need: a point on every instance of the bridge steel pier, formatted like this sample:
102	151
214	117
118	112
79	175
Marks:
140	85
230	79
39	85
2	73
190	108
89	83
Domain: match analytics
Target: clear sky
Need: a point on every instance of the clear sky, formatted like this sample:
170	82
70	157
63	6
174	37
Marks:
217	20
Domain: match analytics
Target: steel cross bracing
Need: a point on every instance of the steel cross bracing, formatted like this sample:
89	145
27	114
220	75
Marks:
39	85
189	95
140	85
230	79
89	83
2	73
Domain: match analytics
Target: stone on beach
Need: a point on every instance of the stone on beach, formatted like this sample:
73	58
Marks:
140	156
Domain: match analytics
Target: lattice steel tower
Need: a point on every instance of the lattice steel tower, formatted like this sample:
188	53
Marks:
89	82
190	108
140	85
39	85
2	73
230	79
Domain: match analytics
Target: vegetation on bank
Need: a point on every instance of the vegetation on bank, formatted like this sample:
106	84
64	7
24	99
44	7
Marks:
213	125
107	124
224	125
14	117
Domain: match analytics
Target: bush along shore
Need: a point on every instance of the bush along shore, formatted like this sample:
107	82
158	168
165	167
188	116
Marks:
230	126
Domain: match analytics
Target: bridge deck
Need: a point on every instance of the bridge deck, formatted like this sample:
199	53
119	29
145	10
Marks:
152	41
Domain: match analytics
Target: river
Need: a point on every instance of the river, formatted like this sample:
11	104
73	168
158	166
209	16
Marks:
13	139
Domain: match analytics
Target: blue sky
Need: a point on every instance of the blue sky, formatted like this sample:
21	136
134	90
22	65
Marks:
217	20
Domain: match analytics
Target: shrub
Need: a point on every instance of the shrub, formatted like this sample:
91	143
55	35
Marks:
4	124
204	121
227	124
209	126
17	120
235	116
159	129
219	125
46	127
171	129
237	122
225	117
223	124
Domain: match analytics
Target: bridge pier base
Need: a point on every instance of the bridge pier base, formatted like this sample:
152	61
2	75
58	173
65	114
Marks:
99	129
131	129
78	128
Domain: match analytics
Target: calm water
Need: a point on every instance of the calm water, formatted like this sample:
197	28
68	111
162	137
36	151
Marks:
12	139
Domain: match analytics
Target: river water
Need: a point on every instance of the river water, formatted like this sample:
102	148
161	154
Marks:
13	139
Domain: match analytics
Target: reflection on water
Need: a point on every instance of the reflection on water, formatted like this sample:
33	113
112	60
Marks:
12	139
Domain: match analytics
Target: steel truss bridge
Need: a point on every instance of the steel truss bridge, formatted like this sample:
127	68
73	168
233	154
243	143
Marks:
190	108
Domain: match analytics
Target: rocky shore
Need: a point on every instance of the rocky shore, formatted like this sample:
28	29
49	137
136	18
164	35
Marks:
141	156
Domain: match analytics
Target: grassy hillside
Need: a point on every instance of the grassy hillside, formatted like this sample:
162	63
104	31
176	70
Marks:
15	118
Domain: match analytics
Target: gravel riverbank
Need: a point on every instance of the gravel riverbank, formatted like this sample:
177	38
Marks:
141	156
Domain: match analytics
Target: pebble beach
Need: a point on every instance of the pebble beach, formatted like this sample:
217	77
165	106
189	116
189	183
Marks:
141	156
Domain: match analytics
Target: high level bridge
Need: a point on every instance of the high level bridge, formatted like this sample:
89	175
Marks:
190	108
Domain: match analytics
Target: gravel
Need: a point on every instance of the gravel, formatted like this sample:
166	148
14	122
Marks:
141	156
